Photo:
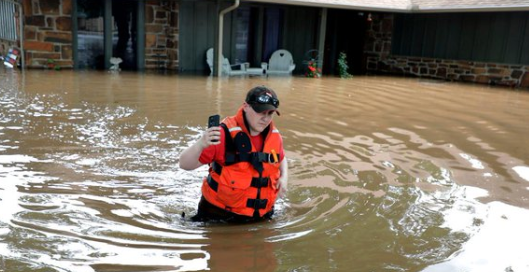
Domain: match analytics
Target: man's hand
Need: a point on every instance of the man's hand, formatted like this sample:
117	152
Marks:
189	158
283	187
210	137
283	179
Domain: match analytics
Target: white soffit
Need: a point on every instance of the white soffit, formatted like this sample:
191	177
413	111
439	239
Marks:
411	6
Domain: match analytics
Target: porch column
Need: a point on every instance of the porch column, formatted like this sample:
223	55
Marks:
140	36
321	42
107	26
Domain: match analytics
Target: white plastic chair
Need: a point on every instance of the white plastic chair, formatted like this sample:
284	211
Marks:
281	63
226	66
258	71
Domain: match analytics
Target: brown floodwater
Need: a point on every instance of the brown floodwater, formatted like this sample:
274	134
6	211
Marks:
386	174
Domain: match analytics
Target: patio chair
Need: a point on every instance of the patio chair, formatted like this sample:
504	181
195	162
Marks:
257	71
227	68
281	63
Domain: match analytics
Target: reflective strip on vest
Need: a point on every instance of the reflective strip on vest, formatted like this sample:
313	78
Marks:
235	129
275	131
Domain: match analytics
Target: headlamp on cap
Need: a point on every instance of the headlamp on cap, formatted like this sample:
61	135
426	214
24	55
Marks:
265	99
262	99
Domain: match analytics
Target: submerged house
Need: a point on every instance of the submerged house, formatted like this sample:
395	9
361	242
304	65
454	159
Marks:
483	41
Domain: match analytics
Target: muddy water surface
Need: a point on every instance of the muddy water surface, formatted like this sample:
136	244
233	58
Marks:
387	174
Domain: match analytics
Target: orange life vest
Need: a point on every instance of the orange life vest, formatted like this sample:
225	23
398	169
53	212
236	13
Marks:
247	183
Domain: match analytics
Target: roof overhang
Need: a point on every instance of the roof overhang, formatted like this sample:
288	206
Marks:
336	4
405	6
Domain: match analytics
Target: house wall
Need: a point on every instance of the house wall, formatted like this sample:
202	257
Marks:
48	34
497	37
381	60
300	34
199	20
161	34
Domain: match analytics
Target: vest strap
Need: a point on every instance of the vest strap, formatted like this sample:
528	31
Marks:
212	183
256	182
260	182
216	167
252	157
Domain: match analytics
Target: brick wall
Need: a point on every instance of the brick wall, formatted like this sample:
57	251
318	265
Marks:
48	33
161	34
380	60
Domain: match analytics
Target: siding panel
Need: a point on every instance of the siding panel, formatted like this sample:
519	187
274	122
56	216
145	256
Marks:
201	36
417	38
186	61
454	36
466	42
514	38
407	34
429	36
481	39
498	37
488	37
396	44
441	36
524	58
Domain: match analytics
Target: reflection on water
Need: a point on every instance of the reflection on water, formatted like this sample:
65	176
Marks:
387	174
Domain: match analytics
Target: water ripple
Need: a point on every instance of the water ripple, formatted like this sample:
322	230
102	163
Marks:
382	177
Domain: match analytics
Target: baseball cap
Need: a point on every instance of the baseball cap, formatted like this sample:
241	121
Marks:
262	98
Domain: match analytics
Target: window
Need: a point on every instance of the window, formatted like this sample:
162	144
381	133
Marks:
8	31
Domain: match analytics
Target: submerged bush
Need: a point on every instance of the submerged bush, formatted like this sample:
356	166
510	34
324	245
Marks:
342	66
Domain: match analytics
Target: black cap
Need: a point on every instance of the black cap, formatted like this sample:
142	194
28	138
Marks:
262	98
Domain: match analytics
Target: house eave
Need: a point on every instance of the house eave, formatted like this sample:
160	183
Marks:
330	5
407	9
470	9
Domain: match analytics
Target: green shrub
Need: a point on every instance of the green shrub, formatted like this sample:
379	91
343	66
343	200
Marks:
342	66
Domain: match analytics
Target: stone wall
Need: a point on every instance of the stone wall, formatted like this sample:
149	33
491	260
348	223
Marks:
380	60
161	34
48	33
378	39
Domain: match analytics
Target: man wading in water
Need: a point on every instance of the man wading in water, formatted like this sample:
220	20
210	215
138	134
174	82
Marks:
247	164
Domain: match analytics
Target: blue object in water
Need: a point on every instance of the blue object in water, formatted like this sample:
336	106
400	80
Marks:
11	59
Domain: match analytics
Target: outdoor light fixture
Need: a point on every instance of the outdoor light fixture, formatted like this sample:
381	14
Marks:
369	19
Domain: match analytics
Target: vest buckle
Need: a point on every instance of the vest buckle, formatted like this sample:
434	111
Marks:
257	204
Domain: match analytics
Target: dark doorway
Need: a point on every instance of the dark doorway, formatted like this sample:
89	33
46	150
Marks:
272	31
125	15
258	33
345	33
242	36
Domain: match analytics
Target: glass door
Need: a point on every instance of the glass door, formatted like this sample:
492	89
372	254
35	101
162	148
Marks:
90	34
108	28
